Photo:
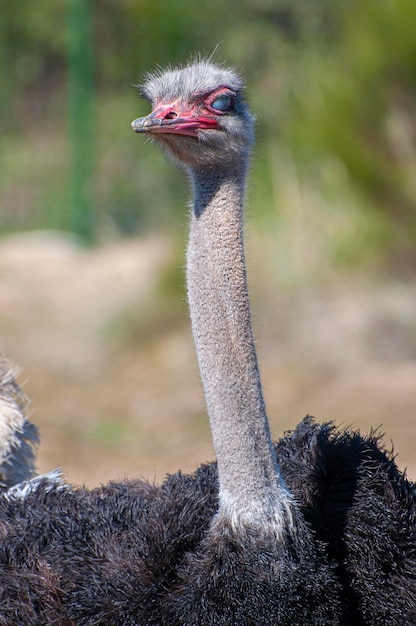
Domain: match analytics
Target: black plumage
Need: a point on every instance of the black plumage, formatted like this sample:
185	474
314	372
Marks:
136	553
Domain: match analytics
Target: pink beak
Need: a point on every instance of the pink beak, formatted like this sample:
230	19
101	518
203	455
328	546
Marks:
165	119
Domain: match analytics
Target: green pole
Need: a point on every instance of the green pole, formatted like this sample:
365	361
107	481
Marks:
80	95
5	80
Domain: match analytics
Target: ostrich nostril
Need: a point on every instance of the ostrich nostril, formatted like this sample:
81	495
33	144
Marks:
171	115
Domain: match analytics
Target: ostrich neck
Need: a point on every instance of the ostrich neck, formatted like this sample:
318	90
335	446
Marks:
251	490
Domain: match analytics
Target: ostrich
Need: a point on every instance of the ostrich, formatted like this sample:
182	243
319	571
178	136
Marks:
318	528
18	436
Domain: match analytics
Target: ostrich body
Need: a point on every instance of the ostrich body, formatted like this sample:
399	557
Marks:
18	436
317	529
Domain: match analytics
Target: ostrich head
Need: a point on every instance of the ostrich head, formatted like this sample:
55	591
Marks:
198	116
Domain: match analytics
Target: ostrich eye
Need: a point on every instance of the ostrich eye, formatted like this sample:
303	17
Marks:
223	103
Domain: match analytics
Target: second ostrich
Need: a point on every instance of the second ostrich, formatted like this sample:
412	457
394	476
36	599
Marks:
319	528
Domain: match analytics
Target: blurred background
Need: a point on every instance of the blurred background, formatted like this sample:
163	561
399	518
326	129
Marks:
93	223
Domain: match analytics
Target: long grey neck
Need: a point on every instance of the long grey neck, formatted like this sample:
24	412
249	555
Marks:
252	493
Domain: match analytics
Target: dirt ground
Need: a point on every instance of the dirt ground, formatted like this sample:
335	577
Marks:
110	407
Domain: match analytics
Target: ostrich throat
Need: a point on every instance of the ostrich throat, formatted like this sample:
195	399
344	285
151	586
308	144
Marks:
252	493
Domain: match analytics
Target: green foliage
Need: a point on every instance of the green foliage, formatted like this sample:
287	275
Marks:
109	434
333	86
359	109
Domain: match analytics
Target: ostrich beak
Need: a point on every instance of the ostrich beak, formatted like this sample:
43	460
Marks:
166	120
